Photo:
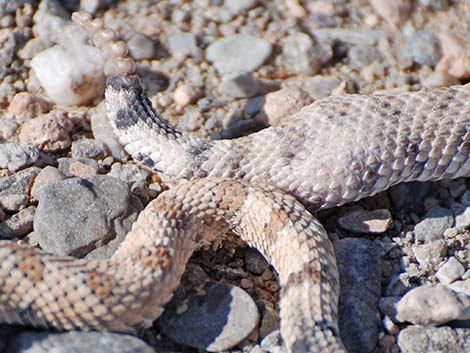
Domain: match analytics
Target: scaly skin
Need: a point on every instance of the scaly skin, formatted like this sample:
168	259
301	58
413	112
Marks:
337	150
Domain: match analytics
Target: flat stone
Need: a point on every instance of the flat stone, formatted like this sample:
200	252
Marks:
47	176
302	55
430	254
65	223
15	156
433	306
88	148
214	321
415	339
240	85
360	275
77	342
19	224
433	224
238	53
424	48
366	222
14	189
70	166
451	271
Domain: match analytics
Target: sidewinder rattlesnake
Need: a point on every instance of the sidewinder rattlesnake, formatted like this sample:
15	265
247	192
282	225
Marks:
337	150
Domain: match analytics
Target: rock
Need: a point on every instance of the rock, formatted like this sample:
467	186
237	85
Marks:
395	12
269	321
185	95
14	189
82	167
415	339
366	222
455	58
49	132
91	6
214	321
238	53
72	75
280	104
273	343
360	274
134	176
388	307
88	148
424	48
433	306
183	45
255	262
77	342
319	87
440	79
66	224
430	254
362	55
19	224
26	106
240	85
451	271
302	55
33	47
48	175
433	224
141	47
236	6
7	128
436	5
100	127
15	156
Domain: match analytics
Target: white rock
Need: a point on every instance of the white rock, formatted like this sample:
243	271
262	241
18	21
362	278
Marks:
70	76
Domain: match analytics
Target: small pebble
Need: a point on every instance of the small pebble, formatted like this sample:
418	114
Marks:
47	176
214	321
15	156
239	53
15	189
26	106
433	224
366	222
424	306
417	339
280	104
451	271
141	47
240	85
19	224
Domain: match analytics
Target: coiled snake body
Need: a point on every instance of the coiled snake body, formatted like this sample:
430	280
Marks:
334	151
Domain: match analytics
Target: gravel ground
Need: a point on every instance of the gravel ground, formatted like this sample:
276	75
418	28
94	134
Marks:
223	69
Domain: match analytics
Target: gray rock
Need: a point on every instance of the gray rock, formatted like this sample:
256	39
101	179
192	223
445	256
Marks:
19	224
460	287
433	224
10	7
435	4
77	342
417	339
141	47
366	222
65	165
461	215
240	85
269	321
65	223
237	6
302	55
238	53
134	176
424	48
88	148
183	44
215	321
255	262
47	175
408	197
363	55
388	307
451	271
433	306
430	254
319	87
273	342
15	156
360	275
7	128
465	198
14	189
